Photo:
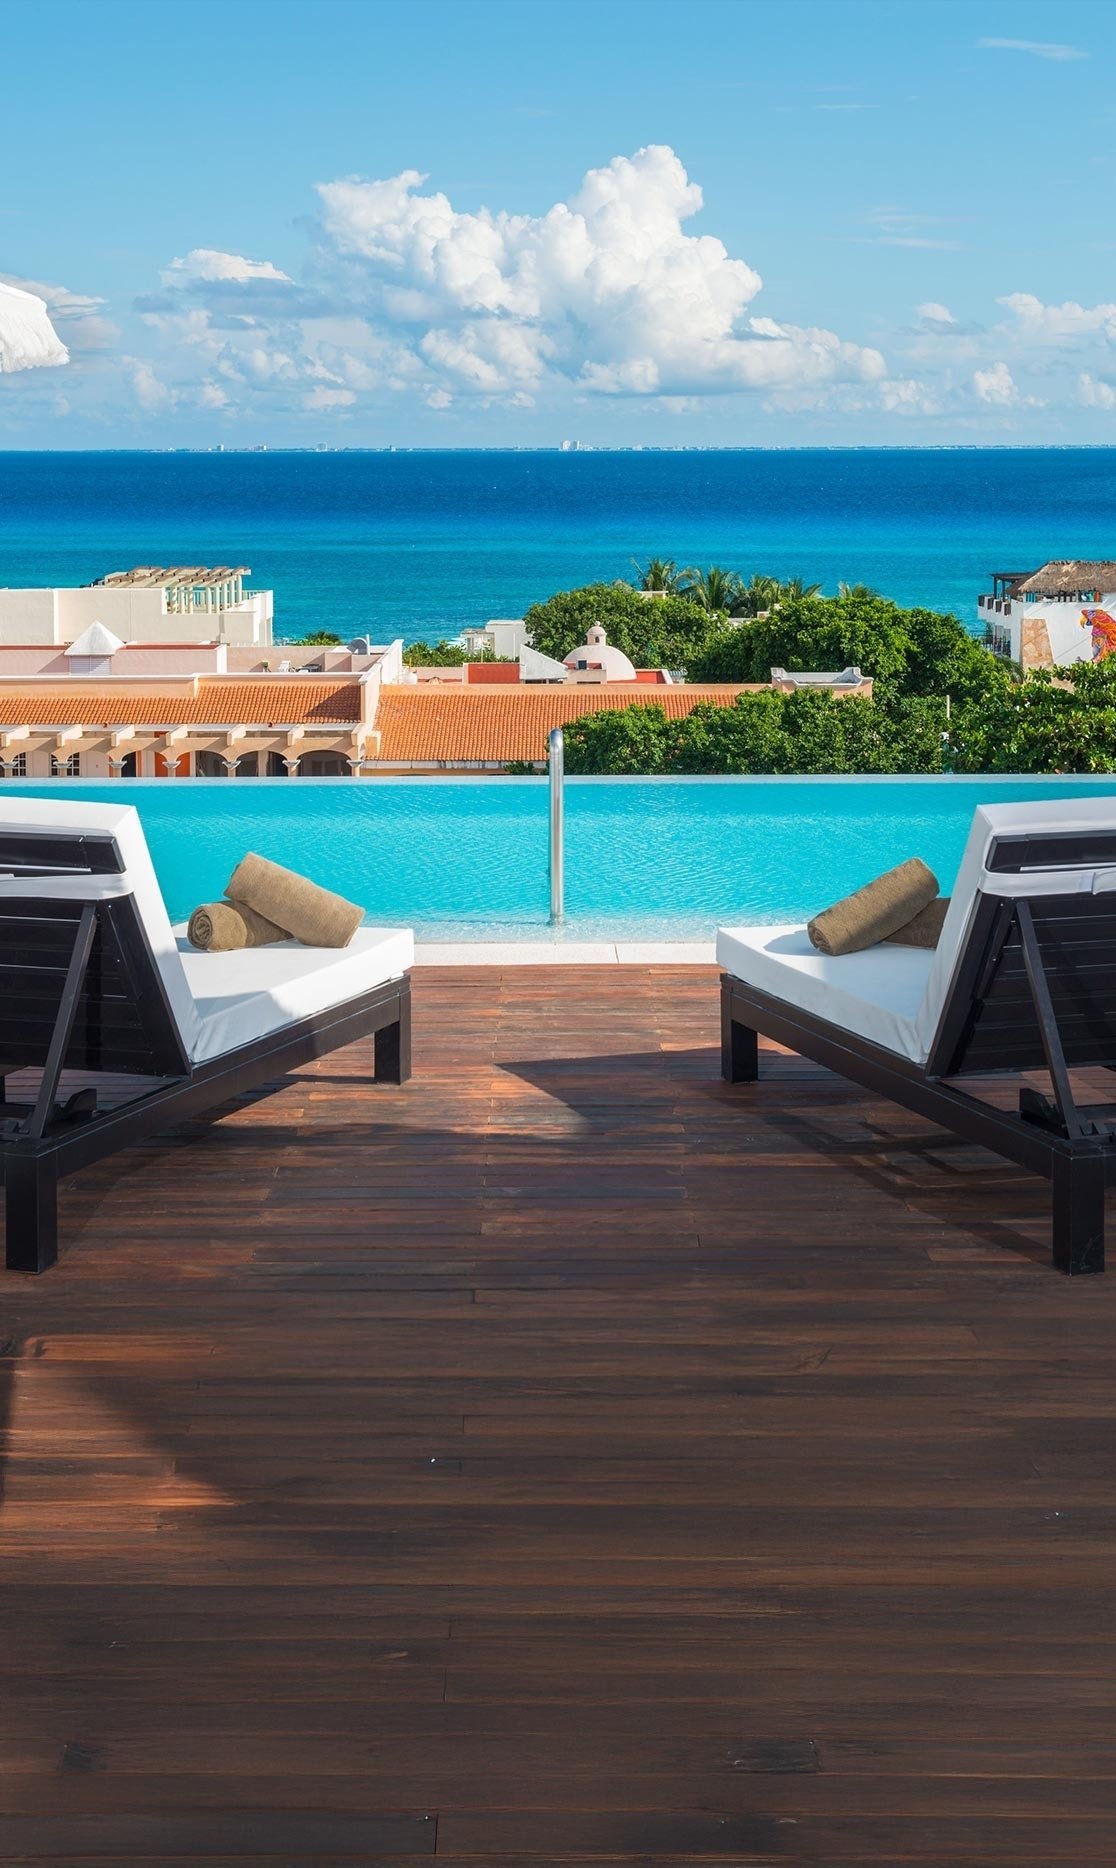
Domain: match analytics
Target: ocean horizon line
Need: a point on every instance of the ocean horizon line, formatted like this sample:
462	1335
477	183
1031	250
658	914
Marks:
554	448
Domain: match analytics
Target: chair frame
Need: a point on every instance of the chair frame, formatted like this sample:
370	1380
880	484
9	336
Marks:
99	1006
1035	988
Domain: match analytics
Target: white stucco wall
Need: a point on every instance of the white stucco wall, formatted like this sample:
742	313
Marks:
41	617
1071	639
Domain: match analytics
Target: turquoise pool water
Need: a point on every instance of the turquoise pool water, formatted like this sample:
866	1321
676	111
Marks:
467	859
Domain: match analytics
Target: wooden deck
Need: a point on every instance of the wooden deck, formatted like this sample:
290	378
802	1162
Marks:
563	1458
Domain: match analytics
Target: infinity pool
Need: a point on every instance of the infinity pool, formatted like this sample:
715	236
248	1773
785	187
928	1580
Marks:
467	858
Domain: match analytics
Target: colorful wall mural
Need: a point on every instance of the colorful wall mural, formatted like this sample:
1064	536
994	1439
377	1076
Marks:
1103	629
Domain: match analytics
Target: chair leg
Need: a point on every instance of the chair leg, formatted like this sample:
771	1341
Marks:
1078	1187
31	1211
392	1052
739	1044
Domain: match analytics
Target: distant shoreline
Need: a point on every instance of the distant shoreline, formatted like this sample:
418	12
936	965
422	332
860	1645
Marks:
939	447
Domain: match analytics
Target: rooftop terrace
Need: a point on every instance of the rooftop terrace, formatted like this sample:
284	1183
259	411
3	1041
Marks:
565	1457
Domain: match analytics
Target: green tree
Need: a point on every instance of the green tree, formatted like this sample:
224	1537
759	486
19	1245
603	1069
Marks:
665	633
748	736
714	589
794	591
1060	721
810	731
624	740
810	634
322	639
443	655
659	575
907	652
759	595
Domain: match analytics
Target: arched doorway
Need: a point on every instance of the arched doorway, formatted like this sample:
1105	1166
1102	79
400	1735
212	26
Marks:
210	765
128	765
323	765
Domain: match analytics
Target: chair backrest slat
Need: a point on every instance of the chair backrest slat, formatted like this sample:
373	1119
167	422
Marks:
92	852
123	1023
989	1021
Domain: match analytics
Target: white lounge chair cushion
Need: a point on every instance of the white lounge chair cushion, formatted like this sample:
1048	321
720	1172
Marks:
876	994
219	1001
245	995
121	822
896	996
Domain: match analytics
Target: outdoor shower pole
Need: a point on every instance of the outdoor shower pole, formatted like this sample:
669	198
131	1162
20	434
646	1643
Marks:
557	807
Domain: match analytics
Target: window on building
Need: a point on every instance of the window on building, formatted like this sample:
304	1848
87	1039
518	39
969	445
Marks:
70	769
16	766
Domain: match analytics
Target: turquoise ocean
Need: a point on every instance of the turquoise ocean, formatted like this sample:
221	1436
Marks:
425	543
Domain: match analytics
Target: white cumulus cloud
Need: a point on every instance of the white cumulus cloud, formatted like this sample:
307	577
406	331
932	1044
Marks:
996	385
607	291
210	264
323	397
1094	392
28	339
607	294
933	313
150	391
1068	323
908	395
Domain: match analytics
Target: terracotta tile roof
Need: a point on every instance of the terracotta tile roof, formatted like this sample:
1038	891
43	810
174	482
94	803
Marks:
284	701
463	725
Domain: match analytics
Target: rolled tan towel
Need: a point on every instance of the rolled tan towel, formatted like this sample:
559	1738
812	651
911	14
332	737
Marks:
315	916
925	928
222	927
876	910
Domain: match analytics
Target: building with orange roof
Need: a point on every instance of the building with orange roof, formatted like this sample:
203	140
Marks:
129	711
199	726
429	729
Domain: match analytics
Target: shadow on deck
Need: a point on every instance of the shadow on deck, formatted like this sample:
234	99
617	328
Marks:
565	1457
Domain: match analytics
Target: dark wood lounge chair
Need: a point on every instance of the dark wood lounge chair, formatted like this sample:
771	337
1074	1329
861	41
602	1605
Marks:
94	980
1023	980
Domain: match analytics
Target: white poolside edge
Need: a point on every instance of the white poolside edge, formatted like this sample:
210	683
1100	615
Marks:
565	953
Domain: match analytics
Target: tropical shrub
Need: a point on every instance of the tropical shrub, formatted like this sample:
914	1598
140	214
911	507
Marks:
626	741
1063	721
810	731
658	632
444	655
907	652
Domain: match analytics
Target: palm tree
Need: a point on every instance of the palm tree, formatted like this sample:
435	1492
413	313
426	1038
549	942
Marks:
714	589
659	575
760	594
794	590
322	638
859	591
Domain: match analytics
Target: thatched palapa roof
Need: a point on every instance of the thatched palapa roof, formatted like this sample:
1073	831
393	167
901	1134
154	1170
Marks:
1068	577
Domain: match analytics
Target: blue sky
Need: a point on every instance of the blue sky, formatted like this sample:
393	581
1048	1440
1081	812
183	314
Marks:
678	221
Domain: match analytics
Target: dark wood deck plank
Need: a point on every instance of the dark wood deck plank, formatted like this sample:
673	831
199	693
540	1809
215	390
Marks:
566	1458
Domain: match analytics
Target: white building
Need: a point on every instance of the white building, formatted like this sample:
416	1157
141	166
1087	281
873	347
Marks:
177	604
503	637
1062	613
596	661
